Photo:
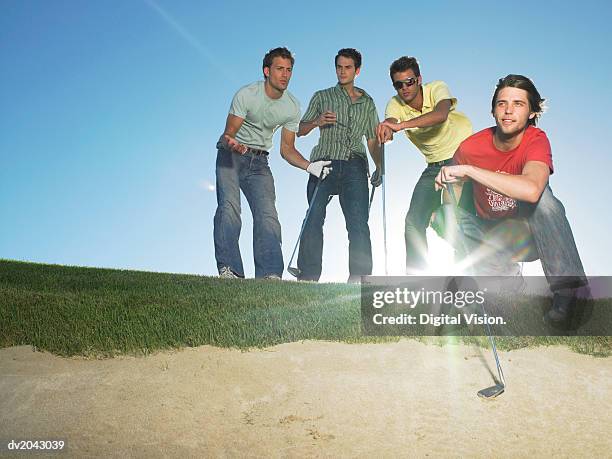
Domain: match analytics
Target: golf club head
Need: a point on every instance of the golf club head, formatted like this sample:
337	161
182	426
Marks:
295	272
492	392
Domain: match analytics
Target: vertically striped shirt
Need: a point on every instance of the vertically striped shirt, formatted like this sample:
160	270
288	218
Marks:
354	120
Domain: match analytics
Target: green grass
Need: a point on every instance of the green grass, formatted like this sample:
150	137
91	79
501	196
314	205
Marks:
102	312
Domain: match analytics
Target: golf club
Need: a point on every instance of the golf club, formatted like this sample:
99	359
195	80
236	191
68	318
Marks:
294	270
371	199
382	166
497	389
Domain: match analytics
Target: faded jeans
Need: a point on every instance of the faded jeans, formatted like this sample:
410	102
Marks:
541	231
349	180
251	174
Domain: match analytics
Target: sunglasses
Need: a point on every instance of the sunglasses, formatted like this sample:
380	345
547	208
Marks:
399	84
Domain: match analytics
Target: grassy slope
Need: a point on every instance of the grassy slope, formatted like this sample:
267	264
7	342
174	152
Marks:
87	311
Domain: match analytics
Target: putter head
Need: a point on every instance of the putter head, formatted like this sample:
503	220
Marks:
295	272
492	392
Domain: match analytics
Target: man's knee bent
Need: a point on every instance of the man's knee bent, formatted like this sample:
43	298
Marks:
416	222
548	205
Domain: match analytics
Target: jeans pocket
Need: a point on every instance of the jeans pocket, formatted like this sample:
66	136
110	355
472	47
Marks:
259	164
224	158
357	166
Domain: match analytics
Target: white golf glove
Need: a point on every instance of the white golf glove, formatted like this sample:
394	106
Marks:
319	169
376	179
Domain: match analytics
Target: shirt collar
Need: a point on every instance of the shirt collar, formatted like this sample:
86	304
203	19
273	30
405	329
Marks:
426	100
426	96
364	95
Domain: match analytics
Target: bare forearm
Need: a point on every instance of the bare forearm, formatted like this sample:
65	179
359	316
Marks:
232	125
293	157
375	152
306	127
228	138
426	120
518	187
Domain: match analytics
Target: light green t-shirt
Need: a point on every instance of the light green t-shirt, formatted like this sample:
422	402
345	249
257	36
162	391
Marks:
263	115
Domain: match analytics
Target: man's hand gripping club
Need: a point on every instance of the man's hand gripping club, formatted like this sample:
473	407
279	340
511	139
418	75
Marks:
450	174
319	169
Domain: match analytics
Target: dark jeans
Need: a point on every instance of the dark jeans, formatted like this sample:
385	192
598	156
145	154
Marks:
425	200
251	174
540	231
349	180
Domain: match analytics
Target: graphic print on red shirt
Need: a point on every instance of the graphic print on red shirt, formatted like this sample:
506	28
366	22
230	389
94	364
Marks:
480	151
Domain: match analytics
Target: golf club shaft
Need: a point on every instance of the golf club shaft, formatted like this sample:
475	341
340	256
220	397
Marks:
451	192
371	199
310	205
382	166
492	341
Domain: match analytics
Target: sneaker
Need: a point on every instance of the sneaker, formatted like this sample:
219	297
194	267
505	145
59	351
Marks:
562	308
226	273
302	278
354	279
272	277
305	279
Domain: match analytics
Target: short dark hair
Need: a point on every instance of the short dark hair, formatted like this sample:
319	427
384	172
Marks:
276	52
350	53
536	103
405	63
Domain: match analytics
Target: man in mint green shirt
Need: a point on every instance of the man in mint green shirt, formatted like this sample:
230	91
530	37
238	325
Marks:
344	115
256	112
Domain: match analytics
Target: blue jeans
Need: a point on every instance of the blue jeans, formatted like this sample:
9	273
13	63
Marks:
349	180
541	230
251	174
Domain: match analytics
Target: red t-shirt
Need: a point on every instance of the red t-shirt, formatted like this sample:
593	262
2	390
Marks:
479	150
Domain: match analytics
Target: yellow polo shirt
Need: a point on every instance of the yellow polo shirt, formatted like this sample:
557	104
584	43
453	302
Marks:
438	142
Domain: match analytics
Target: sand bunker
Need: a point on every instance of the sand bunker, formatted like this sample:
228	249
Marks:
310	399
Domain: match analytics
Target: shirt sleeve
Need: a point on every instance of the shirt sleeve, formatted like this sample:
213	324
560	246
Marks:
439	92
293	124
314	108
539	150
372	122
393	110
458	157
239	106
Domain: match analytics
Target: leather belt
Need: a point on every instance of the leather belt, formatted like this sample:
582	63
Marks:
441	163
257	152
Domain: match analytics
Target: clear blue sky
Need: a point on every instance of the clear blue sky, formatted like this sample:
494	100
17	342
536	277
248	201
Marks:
110	110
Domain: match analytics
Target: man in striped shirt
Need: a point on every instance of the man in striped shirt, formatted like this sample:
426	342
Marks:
344	114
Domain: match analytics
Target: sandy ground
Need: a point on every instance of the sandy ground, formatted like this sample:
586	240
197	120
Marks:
310	399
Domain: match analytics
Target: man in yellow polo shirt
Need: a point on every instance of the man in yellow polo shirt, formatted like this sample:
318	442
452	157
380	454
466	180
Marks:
426	113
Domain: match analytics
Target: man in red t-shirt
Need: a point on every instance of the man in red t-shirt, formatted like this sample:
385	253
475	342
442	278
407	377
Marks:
518	218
